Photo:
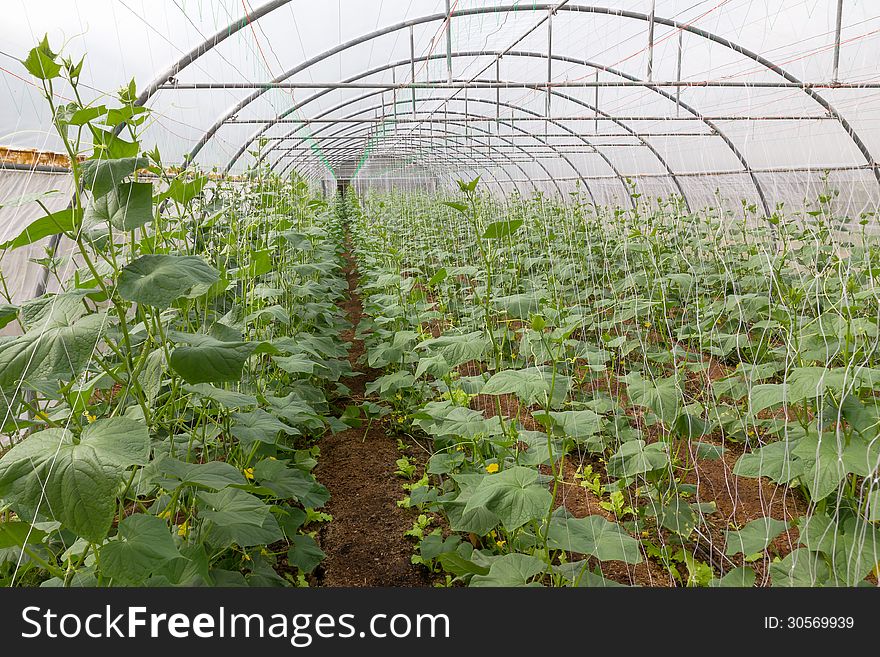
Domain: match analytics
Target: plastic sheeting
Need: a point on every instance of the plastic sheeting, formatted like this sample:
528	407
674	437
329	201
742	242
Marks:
21	276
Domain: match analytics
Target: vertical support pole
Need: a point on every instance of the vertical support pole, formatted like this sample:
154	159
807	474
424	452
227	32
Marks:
498	95
596	104
448	41
412	65
837	28
678	75
394	94
651	41
549	61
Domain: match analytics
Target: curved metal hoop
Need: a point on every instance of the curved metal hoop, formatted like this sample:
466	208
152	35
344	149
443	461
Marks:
535	7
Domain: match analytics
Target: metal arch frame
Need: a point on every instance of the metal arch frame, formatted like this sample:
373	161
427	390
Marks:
490	119
517	146
553	92
493	180
477	163
221	35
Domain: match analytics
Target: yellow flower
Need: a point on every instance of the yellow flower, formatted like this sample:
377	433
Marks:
648	324
42	416
88	416
165	515
247	557
249	473
492	468
500	544
183	528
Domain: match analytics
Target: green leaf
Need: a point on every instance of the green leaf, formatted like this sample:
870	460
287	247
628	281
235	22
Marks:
58	348
213	474
634	457
767	395
183	191
661	396
102	176
743	578
142	547
226	398
18	534
514	495
235	517
50	474
775	461
690	426
8	313
26	199
800	568
500	229
210	360
304	553
592	536
41	62
158	280
286	482
511	570
531	385
258	426
126	207
119	441
63	221
577	424
461	207
754	537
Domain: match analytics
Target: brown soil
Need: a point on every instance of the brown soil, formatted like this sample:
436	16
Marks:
364	542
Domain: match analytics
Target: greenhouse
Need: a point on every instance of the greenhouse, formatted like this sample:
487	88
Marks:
439	293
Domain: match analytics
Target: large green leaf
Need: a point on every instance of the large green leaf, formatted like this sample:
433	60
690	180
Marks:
18	534
457	348
170	473
128	206
775	461
800	568
290	482
500	229
304	553
511	570
661	396
531	385
158	280
142	547
41	63
226	398
59	348
577	424
754	537
101	176
235	517
63	221
592	536
514	495
209	360
634	457
76	483
258	426
767	395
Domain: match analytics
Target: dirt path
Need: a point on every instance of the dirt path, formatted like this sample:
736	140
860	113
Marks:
364	542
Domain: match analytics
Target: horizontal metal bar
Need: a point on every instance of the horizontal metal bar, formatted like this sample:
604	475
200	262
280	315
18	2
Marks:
508	136
699	174
470	145
562	84
508	119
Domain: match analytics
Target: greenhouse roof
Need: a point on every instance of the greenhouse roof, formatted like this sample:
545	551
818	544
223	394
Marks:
684	97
